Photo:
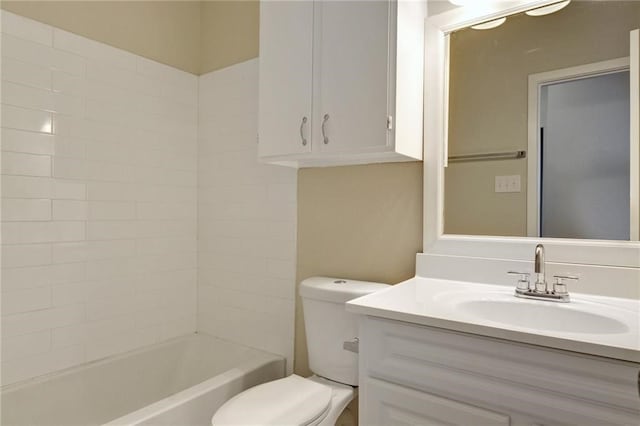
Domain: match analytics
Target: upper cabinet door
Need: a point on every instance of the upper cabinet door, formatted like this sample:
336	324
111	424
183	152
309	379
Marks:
352	40
286	60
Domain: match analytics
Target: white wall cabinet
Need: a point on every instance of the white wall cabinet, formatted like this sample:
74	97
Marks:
412	374
341	82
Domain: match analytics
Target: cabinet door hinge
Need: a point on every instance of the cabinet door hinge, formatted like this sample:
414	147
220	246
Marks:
390	122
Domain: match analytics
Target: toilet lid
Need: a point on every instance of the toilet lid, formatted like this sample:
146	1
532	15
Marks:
289	401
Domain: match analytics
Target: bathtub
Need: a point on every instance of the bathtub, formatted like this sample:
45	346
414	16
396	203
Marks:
179	382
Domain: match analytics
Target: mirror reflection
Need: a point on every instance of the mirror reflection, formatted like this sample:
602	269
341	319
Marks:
539	137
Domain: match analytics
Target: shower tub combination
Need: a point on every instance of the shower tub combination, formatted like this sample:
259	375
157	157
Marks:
179	382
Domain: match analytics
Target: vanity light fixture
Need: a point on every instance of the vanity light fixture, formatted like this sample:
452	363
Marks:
541	11
480	4
471	2
490	24
546	10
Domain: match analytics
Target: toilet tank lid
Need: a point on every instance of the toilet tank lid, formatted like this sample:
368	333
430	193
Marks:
337	290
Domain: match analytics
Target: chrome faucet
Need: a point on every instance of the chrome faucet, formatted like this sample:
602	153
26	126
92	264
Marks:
538	268
540	289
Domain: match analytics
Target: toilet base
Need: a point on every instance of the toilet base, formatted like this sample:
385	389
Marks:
341	396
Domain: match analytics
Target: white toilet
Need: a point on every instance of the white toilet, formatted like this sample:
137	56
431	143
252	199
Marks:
321	398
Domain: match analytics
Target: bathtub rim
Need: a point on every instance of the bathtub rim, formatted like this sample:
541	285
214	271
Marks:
172	401
86	365
261	359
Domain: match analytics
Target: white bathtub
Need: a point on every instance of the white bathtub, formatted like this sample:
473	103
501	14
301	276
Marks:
179	382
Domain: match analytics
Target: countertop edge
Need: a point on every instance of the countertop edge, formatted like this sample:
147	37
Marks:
586	348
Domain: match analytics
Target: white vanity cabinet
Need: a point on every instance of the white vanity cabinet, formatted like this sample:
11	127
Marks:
341	82
412	374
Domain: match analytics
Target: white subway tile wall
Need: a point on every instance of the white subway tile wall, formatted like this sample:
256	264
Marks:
246	220
99	200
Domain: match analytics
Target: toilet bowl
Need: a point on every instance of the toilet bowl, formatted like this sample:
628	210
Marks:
294	400
331	341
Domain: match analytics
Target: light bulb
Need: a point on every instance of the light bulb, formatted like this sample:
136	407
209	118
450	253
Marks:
546	10
472	2
490	24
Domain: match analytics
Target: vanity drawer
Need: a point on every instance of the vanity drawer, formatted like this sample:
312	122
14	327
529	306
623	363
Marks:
505	376
388	404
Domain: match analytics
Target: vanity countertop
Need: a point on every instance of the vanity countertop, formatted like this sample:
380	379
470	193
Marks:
481	309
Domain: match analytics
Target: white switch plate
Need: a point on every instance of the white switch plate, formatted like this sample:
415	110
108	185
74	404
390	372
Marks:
507	183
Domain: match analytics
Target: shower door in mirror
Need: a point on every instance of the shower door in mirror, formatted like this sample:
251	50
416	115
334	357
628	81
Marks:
583	170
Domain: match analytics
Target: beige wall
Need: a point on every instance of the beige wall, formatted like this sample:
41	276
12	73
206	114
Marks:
230	33
165	31
358	222
194	36
488	101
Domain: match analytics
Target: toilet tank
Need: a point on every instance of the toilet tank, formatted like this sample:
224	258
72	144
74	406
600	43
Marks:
328	325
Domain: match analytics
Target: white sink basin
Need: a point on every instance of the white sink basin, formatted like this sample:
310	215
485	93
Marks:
502	307
542	317
596	325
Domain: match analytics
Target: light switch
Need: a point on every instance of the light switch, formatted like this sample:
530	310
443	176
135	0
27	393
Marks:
507	183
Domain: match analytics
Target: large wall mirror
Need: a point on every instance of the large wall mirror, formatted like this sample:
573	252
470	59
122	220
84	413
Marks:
538	119
499	155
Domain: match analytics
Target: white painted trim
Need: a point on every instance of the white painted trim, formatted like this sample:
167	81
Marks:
533	160
634	134
445	126
433	133
406	77
594	252
536	81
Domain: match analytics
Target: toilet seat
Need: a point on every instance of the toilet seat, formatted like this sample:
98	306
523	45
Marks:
290	401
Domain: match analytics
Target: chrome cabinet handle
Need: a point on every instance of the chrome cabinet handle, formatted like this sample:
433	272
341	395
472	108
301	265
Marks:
324	135
304	121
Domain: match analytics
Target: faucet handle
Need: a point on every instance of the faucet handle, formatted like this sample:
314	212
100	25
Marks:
523	281
559	286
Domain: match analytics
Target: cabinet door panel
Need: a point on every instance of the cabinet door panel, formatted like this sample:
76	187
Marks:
352	68
388	404
286	58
